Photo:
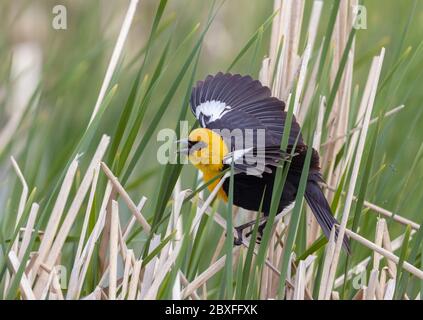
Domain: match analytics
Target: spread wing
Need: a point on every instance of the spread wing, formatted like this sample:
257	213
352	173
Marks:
238	106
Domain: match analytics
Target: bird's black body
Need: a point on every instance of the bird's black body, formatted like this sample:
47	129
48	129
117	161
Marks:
236	102
249	189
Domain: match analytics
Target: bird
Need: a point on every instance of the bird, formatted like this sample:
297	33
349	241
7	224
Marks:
241	125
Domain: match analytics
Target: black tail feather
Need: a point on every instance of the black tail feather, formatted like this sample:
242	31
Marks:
321	210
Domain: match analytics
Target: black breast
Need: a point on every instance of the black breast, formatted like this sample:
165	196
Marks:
249	190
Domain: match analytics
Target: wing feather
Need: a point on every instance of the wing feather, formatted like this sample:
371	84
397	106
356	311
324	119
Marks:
226	101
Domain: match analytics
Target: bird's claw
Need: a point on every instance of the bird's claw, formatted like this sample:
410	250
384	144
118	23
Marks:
258	238
238	239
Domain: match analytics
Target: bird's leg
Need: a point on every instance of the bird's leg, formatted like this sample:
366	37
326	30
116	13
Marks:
238	240
239	230
260	230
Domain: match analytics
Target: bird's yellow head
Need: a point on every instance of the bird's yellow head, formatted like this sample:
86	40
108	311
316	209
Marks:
206	150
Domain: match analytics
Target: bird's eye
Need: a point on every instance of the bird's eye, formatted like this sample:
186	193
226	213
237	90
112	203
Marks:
195	145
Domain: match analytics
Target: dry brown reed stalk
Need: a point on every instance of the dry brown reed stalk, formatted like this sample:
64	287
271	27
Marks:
380	229
113	250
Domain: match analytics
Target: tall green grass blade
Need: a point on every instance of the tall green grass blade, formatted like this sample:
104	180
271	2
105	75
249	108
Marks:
399	290
327	40
124	118
252	40
413	259
229	237
156	251
245	283
404	34
171	171
293	224
154	36
15	233
256	50
421	281
126	149
159	72
280	178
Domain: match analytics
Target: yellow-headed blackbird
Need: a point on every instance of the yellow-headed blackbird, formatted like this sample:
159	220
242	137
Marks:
242	123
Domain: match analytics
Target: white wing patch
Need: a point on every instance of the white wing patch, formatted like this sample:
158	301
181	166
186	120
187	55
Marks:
212	110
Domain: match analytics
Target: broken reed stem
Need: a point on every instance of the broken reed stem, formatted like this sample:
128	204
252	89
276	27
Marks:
205	275
22	202
380	229
113	250
126	273
387	254
131	205
133	285
391	247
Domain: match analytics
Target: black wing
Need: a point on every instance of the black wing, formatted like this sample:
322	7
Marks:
236	105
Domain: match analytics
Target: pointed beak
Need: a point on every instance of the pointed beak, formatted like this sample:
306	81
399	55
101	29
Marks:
183	146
